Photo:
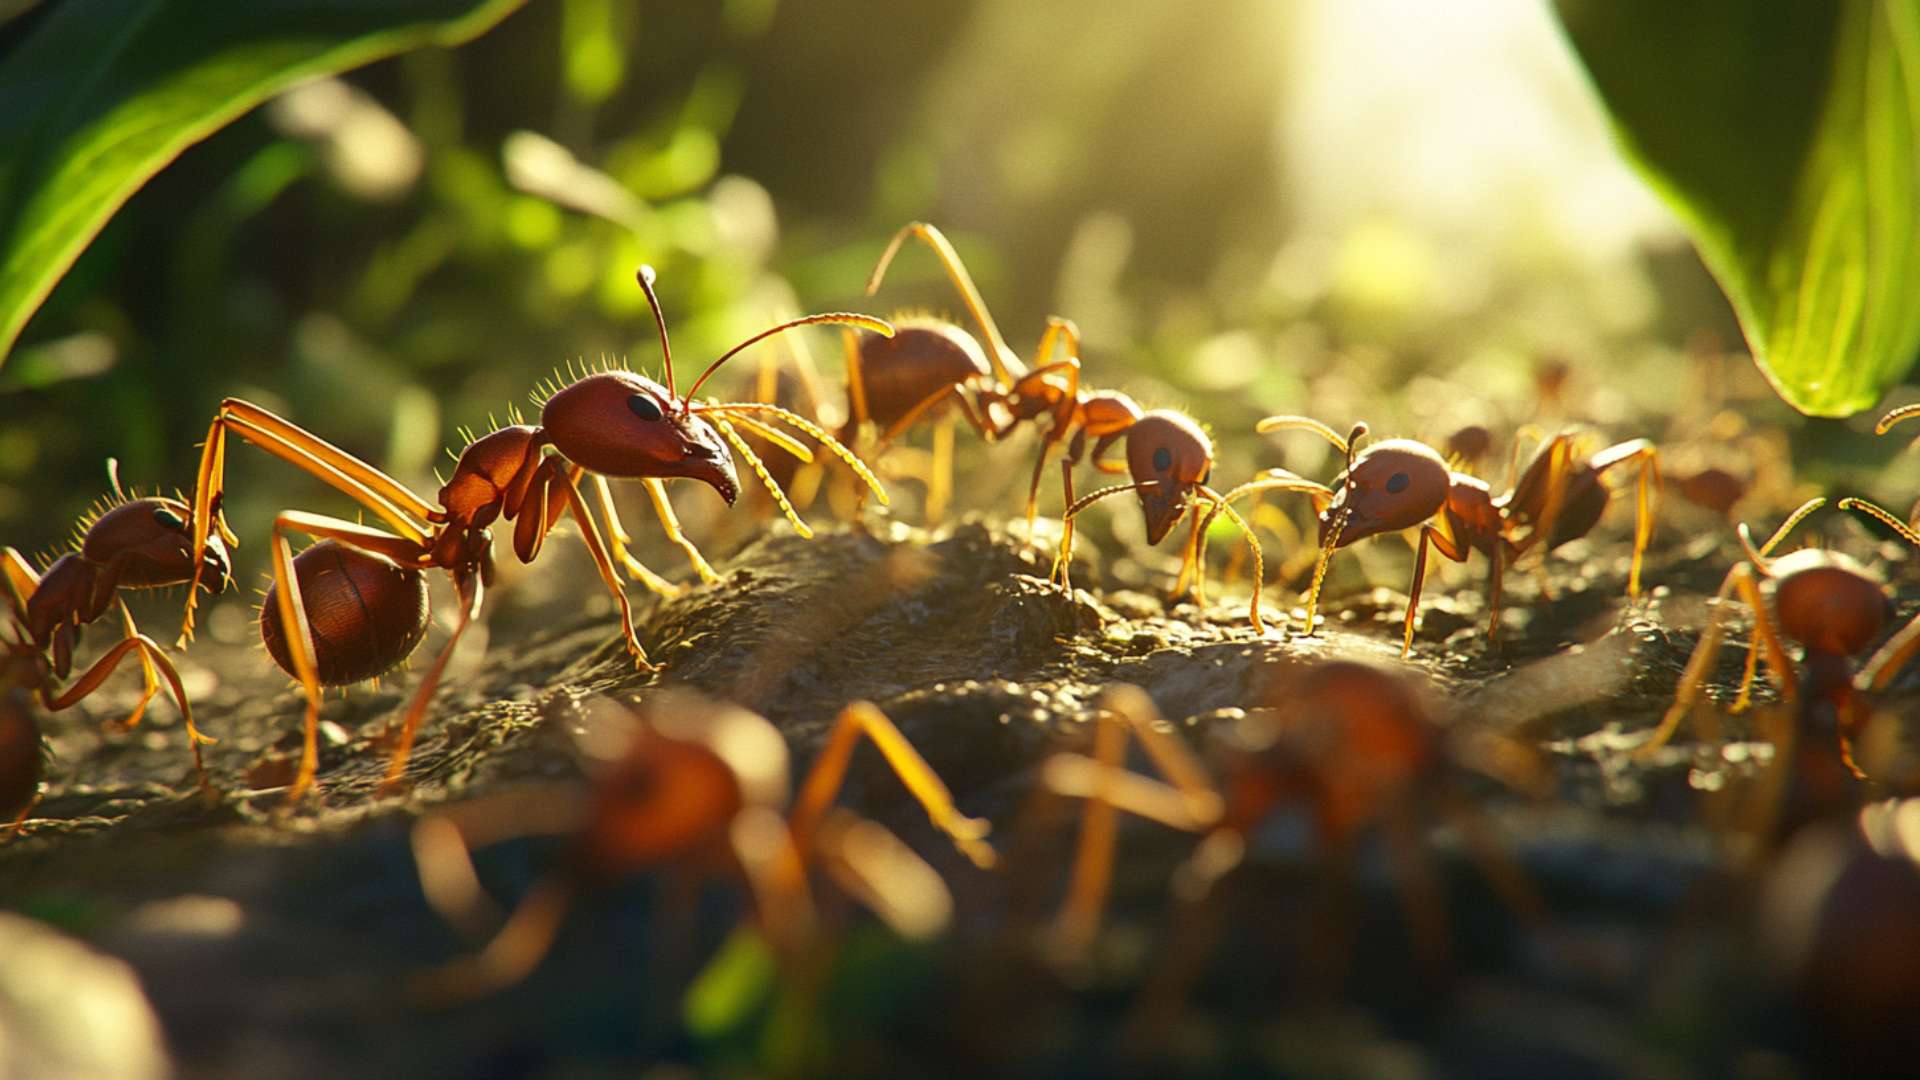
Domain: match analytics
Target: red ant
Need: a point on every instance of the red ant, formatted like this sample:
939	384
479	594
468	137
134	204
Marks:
355	605
1828	603
1354	742
698	791
127	542
1170	460
1398	484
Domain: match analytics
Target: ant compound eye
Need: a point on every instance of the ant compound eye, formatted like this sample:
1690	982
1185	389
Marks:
167	518
644	407
1163	459
1397	483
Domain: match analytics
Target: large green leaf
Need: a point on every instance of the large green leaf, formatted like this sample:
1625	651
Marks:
102	94
1786	136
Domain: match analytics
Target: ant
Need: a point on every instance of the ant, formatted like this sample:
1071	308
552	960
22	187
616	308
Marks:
125	542
1354	742
354	605
698	791
1169	460
1828	603
1398	484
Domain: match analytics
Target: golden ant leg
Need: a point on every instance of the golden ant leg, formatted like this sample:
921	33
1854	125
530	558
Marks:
940	477
856	380
21	581
1741	580
670	523
875	867
512	954
618	539
775	868
1188	802
1062	571
1496	587
378	492
830	770
1743	700
429	681
150	678
998	354
1513	885
150	654
538	517
1649	481
1186	585
1221	505
1891	657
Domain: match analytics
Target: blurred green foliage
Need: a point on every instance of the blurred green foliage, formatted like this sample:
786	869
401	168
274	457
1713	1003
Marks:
1787	136
389	256
101	94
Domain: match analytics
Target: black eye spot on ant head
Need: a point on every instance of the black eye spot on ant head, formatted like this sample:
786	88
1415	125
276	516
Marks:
644	407
1397	483
168	518
1163	459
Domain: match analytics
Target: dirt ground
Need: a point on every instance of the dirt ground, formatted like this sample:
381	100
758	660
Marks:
277	942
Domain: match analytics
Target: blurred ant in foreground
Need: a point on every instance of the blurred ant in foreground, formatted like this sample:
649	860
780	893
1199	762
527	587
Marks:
697	791
354	605
1399	484
126	542
1352	743
1170	460
1828	603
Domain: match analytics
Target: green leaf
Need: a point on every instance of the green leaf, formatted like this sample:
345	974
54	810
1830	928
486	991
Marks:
102	94
1786	136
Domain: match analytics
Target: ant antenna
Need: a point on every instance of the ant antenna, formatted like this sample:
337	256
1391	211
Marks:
1353	445
845	318
113	475
645	277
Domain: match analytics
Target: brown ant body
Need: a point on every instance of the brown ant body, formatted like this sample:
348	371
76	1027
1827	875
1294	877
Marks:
1353	742
127	543
1399	484
1169	460
1831	605
699	791
354	605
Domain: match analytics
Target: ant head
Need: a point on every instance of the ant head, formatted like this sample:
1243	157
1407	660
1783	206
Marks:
1168	456
618	423
150	544
1470	443
1392	485
688	769
1828	602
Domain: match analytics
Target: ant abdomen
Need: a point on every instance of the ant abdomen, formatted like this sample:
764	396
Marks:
898	373
367	613
19	754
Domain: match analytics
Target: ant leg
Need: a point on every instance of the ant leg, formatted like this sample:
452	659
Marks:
1891	657
1495	587
1446	544
474	591
1741	580
150	654
1648	484
1033	485
542	512
1063	558
775	867
406	512
873	865
18	576
996	346
856	379
670	523
1106	787
1511	882
1187	585
940	474
618	539
1743	700
830	770
149	677
510	957
1222	505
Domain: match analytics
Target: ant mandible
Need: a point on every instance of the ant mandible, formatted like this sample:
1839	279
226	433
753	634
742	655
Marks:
354	605
1398	484
1828	603
1169	460
125	542
699	790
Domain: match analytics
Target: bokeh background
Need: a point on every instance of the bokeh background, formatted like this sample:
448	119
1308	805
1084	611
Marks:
1375	209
